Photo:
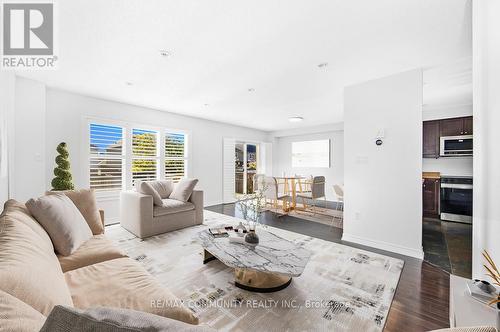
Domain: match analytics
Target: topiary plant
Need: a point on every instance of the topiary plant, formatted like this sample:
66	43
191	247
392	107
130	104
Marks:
63	179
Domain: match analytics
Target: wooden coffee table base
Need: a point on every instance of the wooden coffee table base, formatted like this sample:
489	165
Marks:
261	282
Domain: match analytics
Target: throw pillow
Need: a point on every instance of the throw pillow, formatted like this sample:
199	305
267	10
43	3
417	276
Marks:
85	201
146	188
183	189
163	187
102	319
61	219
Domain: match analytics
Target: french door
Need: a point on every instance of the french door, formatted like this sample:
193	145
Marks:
245	159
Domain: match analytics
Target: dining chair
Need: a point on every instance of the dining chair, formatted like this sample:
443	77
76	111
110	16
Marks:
305	184
272	193
317	192
339	192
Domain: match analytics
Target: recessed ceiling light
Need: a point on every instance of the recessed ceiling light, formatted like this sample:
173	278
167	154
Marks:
251	90
295	118
165	53
129	83
323	65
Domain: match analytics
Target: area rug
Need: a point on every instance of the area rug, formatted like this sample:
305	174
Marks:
341	289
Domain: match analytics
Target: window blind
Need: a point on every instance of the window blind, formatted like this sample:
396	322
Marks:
144	155
106	157
175	156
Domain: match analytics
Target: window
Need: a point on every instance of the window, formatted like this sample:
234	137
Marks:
145	155
175	156
311	153
120	154
106	157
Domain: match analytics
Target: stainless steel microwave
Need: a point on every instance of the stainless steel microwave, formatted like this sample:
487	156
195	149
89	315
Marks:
456	146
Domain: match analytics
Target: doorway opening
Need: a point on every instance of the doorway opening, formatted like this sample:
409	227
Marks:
245	167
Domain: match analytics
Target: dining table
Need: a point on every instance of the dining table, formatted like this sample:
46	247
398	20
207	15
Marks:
292	181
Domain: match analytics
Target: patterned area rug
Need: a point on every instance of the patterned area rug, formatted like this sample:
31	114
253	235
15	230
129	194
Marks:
341	289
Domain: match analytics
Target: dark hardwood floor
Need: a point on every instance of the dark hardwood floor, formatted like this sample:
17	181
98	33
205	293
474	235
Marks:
421	302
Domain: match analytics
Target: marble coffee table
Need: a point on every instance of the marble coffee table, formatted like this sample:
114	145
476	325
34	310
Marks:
267	267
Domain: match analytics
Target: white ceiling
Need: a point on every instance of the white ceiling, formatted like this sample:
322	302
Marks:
221	48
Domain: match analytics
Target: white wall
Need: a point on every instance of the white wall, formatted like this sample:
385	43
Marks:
282	162
383	189
66	121
486	81
27	167
7	88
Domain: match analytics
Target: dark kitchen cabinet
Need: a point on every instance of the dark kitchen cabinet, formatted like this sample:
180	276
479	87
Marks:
468	125
452	127
430	197
431	139
456	126
435	129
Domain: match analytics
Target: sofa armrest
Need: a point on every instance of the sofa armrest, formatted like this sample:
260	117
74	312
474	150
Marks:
136	212
101	213
197	199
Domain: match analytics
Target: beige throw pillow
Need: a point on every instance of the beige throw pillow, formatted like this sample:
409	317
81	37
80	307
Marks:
163	187
61	219
146	188
183	189
85	201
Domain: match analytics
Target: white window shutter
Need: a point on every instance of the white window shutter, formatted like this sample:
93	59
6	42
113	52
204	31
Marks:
106	157
175	156
144	155
229	170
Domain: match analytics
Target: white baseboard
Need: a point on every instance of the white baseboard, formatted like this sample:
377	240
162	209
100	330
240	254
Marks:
384	246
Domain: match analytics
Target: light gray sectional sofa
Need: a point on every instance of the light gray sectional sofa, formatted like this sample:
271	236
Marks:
140	215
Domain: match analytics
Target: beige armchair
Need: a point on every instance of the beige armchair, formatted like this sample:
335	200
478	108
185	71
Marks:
141	217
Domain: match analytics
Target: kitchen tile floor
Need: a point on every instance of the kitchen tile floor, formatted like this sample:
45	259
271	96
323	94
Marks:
448	245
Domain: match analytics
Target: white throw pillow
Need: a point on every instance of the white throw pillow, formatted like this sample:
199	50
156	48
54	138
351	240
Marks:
183	189
62	220
146	188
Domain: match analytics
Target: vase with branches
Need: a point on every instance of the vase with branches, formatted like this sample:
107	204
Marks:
494	274
252	206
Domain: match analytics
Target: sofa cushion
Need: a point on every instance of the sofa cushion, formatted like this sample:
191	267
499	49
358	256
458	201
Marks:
124	283
15	315
183	189
104	319
172	206
29	269
85	202
19	212
61	219
146	188
95	250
